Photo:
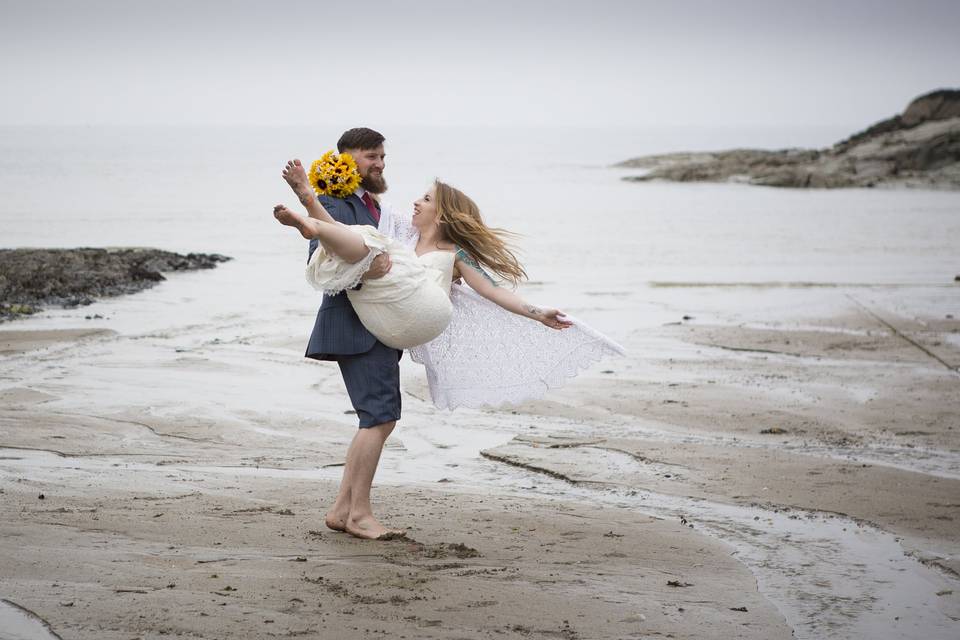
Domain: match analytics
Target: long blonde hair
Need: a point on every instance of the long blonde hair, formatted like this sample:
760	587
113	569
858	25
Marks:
460	222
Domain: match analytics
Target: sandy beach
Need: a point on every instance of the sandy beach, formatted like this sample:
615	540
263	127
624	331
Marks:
794	476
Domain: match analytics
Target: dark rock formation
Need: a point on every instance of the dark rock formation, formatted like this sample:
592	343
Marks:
33	278
937	105
918	148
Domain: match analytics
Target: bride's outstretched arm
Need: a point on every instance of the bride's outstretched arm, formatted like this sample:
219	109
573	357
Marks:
510	301
296	177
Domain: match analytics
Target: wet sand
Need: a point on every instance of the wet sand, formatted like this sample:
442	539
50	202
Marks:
730	479
114	529
252	560
14	342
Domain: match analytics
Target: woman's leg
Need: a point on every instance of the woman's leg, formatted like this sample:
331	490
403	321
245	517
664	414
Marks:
336	238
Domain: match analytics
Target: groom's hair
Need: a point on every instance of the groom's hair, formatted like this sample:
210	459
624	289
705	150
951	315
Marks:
360	138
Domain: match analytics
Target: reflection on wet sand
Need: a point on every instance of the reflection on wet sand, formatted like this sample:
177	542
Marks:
22	624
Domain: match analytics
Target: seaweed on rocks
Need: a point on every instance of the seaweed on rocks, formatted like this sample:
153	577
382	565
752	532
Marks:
31	279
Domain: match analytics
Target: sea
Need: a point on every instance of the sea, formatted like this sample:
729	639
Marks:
582	228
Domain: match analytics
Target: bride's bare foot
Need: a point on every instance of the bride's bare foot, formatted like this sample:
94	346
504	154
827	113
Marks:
296	177
291	219
369	528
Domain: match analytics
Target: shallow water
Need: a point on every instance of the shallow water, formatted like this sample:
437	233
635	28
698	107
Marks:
17	623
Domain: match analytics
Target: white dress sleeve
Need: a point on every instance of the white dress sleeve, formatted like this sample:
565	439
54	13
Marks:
330	274
488	356
397	226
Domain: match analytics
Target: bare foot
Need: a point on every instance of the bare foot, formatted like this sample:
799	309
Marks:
336	521
296	177
369	528
291	219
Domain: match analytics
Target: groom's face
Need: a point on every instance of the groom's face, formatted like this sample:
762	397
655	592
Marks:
370	164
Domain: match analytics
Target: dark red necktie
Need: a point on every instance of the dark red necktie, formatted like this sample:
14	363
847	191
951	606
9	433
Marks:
367	200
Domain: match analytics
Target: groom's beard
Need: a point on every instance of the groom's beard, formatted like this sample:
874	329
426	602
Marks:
374	183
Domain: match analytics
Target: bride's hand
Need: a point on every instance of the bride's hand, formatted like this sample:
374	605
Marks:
554	318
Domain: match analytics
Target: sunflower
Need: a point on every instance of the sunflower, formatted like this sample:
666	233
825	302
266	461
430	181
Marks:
334	175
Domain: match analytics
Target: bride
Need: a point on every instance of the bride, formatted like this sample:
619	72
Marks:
410	305
476	353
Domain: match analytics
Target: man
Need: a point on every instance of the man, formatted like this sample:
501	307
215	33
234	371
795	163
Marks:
370	369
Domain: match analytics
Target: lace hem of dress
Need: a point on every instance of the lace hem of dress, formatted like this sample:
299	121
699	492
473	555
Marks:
494	397
489	357
348	277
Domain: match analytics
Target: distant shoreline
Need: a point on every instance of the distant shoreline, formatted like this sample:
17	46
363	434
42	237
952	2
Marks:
919	148
31	279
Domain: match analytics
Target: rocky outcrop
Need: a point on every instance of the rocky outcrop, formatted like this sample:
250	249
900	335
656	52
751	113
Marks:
33	278
918	148
938	105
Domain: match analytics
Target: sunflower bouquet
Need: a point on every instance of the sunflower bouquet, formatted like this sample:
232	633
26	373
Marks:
334	175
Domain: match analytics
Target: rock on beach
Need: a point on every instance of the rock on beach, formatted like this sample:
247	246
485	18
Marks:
31	279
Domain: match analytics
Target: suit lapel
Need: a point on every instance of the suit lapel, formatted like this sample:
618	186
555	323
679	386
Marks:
361	213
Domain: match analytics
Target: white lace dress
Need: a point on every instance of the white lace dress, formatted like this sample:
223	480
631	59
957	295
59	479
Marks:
408	306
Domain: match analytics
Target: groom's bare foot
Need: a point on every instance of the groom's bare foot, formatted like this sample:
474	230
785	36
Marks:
369	528
336	521
296	177
291	219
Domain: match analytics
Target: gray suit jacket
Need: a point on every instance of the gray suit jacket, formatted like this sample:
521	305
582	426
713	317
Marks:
337	330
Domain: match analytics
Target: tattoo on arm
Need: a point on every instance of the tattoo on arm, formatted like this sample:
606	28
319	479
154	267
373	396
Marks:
532	310
470	262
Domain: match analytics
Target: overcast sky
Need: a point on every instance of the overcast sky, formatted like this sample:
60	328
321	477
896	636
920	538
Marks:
596	62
